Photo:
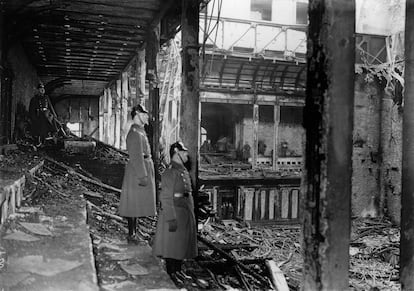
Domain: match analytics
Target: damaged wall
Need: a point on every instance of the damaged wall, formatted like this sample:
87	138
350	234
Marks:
376	178
24	83
80	110
366	139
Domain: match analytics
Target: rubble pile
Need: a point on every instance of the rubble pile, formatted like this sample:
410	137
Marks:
374	255
266	242
233	254
108	153
19	160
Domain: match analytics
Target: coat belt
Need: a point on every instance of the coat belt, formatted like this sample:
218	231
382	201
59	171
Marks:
180	195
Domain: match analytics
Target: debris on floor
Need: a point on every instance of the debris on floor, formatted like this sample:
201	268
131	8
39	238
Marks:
233	254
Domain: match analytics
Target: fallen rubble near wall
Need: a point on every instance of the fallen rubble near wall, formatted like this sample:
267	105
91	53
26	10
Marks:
374	242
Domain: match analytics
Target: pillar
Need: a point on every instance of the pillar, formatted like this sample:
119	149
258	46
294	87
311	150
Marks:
407	195
190	97
140	76
276	123
124	109
117	115
328	120
101	116
110	118
151	51
3	124
386	154
255	146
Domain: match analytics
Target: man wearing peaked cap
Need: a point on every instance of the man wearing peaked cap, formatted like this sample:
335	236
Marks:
176	234
138	186
139	108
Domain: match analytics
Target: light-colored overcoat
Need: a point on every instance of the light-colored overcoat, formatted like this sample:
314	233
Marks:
137	200
181	244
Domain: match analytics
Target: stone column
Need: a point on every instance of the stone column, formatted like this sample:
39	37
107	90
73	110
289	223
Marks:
328	120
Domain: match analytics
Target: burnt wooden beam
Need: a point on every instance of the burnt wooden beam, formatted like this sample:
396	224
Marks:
232	260
82	77
328	120
157	18
59	55
190	83
73	19
87	42
81	32
106	52
149	5
108	18
407	195
3	101
113	11
121	18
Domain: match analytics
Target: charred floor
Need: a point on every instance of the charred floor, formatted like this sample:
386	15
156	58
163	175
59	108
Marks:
233	253
296	114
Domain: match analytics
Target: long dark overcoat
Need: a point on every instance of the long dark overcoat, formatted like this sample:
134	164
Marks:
137	200
181	244
40	116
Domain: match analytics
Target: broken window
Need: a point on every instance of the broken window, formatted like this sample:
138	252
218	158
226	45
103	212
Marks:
261	9
75	128
301	13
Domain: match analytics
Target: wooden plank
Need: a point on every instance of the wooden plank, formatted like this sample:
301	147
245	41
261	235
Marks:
214	198
262	204
127	4
272	194
113	11
256	215
278	203
285	203
240	201
248	208
295	203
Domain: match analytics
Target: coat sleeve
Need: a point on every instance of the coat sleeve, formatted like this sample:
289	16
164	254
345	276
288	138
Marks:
136	156
166	195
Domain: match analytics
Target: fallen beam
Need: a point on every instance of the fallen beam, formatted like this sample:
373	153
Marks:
84	178
232	260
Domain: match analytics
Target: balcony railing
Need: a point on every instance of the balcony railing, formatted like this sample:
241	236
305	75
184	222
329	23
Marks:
259	38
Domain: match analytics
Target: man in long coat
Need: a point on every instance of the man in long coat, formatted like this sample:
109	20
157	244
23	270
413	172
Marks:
42	116
138	186
176	234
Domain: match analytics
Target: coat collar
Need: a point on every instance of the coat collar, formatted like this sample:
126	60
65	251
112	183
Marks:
136	127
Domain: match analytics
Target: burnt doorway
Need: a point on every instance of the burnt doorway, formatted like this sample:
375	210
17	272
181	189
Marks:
220	120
